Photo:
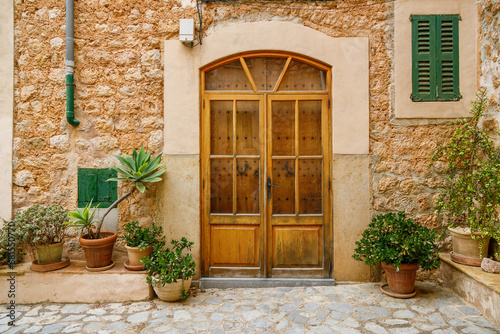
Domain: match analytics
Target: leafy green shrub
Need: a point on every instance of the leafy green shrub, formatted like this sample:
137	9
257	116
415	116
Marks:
142	237
394	239
167	266
40	225
9	241
471	194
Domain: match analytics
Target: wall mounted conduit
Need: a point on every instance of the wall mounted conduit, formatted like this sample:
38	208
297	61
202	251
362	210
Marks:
70	64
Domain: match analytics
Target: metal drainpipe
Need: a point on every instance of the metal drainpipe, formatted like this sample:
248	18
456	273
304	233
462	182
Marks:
70	64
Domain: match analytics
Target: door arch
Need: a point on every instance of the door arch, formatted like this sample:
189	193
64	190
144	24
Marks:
266	156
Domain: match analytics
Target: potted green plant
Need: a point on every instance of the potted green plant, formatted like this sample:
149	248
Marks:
470	197
140	241
170	271
401	246
98	251
138	170
41	230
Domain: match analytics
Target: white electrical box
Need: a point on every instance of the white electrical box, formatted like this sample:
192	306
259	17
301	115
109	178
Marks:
186	30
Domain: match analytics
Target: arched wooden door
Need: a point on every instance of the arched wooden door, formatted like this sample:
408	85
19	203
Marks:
266	167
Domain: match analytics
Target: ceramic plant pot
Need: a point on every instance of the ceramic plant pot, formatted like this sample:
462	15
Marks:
98	252
48	254
466	249
171	292
135	254
403	281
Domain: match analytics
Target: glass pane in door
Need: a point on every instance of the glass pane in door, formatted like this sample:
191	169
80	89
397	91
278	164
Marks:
247	128
247	186
283	195
227	77
303	77
310	128
283	128
310	188
221	127
221	185
265	71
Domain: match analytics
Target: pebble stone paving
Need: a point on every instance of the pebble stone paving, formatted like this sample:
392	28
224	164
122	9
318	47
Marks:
357	308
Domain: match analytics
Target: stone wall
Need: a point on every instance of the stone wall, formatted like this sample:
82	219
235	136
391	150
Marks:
119	93
489	43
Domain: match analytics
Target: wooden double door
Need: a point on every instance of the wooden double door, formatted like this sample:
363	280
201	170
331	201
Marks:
266	185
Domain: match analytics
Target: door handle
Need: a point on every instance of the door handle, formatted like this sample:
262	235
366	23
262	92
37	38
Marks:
269	185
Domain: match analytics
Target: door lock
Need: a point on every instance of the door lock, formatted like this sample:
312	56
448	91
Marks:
269	185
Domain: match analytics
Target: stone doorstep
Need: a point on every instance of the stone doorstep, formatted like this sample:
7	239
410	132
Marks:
74	284
477	287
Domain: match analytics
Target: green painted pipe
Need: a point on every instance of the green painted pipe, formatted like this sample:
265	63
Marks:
70	65
70	101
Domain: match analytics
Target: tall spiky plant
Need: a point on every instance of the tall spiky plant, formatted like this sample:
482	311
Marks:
139	169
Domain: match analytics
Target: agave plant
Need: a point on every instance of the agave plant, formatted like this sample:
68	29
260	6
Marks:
139	169
84	220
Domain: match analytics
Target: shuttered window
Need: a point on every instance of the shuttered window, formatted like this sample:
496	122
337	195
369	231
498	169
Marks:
435	75
92	185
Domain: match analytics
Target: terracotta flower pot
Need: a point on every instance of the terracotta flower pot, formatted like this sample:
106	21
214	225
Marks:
135	254
171	292
402	281
48	254
98	252
466	249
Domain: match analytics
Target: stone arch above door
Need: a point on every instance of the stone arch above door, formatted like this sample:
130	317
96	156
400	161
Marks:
348	57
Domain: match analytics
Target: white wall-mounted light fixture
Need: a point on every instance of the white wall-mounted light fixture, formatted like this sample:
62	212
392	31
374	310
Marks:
186	30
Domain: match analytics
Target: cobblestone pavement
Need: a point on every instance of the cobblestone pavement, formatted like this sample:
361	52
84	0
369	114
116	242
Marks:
359	308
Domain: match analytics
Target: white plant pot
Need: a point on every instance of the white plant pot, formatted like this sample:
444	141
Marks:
171	292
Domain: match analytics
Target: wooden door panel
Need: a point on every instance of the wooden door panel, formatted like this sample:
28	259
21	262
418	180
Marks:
297	246
221	185
310	186
283	128
283	195
234	245
247	186
310	138
221	127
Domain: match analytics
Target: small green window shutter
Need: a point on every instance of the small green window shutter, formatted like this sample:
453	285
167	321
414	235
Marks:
92	185
423	58
106	191
435	75
447	62
87	186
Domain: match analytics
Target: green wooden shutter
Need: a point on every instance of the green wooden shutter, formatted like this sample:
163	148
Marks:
87	186
106	191
435	70
423	58
447	62
92	185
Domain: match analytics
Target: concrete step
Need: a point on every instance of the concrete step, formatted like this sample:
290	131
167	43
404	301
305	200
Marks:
479	288
74	284
227	283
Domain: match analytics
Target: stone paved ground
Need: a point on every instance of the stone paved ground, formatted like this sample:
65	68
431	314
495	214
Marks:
359	308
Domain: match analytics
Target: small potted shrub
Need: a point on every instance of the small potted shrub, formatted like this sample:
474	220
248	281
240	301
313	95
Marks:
41	229
470	197
401	246
140	241
170	271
